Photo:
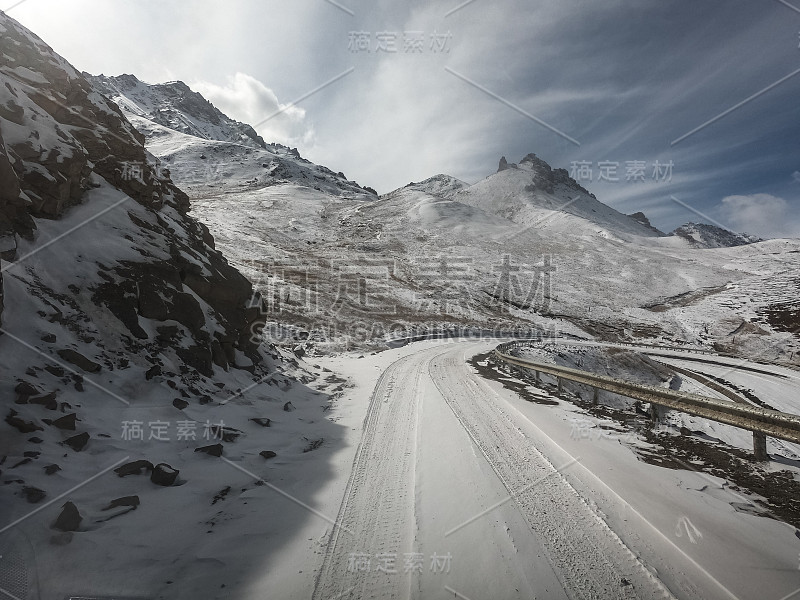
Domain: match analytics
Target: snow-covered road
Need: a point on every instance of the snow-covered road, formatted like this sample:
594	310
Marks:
461	489
449	496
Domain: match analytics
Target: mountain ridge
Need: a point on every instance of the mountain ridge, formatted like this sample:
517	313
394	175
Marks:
222	142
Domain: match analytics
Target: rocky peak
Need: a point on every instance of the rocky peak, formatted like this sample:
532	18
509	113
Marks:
640	217
547	178
175	105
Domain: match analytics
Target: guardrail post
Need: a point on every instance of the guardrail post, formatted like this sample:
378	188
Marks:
654	412
560	384
760	446
596	397
537	375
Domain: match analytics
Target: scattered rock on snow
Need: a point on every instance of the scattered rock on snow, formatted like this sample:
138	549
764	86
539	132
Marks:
164	475
288	407
69	519
226	434
134	468
66	422
268	454
77	442
47	400
25	388
20	424
33	494
79	360
313	445
213	450
130	501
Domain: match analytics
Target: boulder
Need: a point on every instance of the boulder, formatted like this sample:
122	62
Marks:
67	422
212	450
33	494
153	371
25	388
134	468
79	360
69	519
77	442
20	424
125	501
164	475
46	400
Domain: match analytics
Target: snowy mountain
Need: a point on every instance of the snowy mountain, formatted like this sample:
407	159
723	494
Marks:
702	235
526	247
440	185
176	106
212	146
528	192
492	255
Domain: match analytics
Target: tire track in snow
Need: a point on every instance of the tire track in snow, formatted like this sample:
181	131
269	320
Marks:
378	504
588	556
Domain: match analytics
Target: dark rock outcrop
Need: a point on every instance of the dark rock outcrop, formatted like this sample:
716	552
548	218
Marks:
548	178
134	468
212	450
61	138
69	519
77	442
79	360
164	475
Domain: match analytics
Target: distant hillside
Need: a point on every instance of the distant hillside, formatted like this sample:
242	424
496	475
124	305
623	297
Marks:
702	235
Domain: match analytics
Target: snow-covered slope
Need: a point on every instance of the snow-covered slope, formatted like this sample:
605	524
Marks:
206	147
443	186
128	343
176	106
702	235
531	192
415	258
525	247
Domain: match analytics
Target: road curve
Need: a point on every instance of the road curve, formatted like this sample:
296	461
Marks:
498	491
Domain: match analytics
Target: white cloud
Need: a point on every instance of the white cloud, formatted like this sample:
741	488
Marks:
246	99
761	214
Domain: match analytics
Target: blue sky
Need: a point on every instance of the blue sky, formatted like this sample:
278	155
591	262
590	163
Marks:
613	86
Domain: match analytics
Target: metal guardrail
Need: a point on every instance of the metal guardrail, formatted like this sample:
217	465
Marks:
761	421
